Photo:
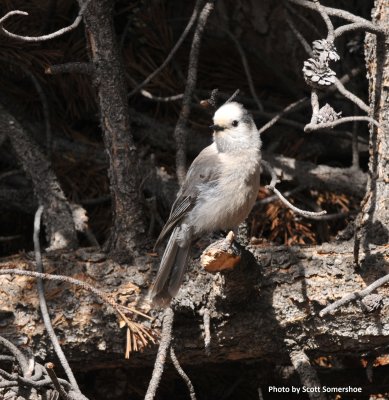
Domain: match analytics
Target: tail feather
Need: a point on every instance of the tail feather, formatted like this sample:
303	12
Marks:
178	271
171	271
166	265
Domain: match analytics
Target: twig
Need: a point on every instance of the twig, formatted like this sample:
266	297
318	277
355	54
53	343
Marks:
307	373
232	97
315	127
246	68
354	296
306	21
322	11
14	379
86	68
50	370
286	110
274	197
44	37
330	217
43	305
166	337
180	129
148	95
356	26
315	106
13	172
182	373
42	97
335	12
192	20
272	172
352	97
22	361
354	145
207	331
105	297
164	99
298	35
297	210
272	187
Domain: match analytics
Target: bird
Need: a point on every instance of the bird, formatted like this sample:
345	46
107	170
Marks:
218	193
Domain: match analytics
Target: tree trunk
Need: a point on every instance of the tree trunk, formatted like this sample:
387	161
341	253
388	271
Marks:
58	219
375	212
128	228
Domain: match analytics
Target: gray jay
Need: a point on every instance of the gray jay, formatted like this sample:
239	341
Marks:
218	193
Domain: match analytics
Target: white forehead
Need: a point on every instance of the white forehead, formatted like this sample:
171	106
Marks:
228	113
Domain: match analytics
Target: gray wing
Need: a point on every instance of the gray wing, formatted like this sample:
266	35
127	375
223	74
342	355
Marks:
205	169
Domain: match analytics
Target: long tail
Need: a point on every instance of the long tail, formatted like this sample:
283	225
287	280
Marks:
171	271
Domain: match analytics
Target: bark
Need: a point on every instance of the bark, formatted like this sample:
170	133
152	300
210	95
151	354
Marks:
375	212
58	218
128	227
273	297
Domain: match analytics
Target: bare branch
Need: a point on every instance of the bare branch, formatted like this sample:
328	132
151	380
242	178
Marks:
43	99
279	116
71	68
44	37
307	373
180	129
182	373
322	11
303	102
173	51
272	172
354	296
354	145
50	370
165	99
207	330
297	210
246	69
166	337
58	217
315	106
298	35
315	127
306	21
105	297
352	97
43	305
271	187
356	26
19	357
335	12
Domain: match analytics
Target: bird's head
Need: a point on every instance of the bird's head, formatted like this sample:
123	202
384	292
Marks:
234	128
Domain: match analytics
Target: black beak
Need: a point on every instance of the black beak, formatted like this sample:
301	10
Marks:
217	128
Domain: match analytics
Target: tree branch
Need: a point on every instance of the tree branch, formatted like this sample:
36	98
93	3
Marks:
43	305
50	36
173	51
58	216
166	337
335	12
180	131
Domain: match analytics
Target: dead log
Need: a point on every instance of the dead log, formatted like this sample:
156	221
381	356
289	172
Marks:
274	294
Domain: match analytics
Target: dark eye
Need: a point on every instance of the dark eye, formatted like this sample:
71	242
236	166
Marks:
235	123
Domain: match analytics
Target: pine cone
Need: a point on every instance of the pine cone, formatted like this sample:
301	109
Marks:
324	51
317	74
327	114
